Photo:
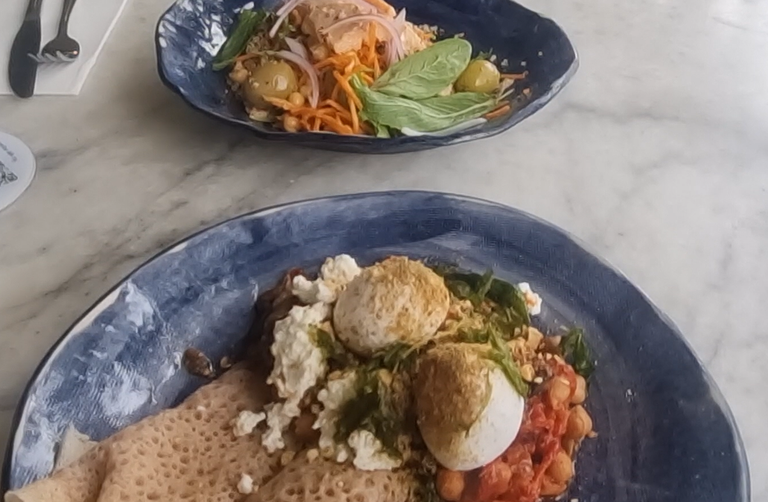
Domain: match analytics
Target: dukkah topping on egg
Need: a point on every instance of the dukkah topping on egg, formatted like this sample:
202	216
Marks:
395	301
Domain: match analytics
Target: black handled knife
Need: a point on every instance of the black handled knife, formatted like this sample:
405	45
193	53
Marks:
22	69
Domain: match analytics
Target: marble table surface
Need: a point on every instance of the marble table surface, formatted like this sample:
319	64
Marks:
656	155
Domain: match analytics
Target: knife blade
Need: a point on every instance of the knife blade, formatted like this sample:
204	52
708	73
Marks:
22	69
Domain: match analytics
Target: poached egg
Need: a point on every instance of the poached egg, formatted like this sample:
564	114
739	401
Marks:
468	412
395	300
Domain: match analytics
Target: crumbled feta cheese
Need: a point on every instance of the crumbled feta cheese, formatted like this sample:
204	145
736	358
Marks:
532	300
245	485
339	271
245	422
336	392
299	363
334	275
369	452
312	291
279	416
312	454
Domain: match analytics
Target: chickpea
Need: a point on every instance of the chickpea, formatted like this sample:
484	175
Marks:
580	392
569	445
527	372
296	18
579	423
296	99
239	73
305	90
320	51
291	124
559	391
479	76
561	468
533	338
549	488
450	484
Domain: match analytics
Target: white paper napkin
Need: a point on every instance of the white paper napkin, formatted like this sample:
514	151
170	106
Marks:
90	25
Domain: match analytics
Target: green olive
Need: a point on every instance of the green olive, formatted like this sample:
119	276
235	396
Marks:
273	79
479	76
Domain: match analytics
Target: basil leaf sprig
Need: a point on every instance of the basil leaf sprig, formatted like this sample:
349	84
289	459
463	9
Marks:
576	352
247	23
426	73
425	115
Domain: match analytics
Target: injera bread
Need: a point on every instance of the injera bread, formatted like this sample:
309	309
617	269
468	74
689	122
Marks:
325	481
185	453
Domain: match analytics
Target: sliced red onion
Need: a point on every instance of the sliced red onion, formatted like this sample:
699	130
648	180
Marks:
297	47
286	11
399	20
307	68
288	7
396	51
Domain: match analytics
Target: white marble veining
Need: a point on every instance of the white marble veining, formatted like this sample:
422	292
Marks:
655	155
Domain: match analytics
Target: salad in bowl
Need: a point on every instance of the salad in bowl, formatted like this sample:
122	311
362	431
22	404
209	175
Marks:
360	67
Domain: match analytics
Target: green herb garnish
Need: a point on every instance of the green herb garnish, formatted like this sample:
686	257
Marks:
333	350
476	288
247	23
425	73
576	352
500	355
398	356
424	115
373	409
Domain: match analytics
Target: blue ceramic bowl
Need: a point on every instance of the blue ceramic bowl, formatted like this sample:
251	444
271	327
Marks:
190	33
665	431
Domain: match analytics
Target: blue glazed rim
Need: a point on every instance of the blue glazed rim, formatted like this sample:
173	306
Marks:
399	144
717	395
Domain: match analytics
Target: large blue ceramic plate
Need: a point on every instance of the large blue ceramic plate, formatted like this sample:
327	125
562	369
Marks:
665	431
190	33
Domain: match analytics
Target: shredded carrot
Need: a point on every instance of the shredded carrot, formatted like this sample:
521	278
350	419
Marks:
376	67
333	104
355	118
515	76
361	68
498	112
316	124
367	78
336	126
344	83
